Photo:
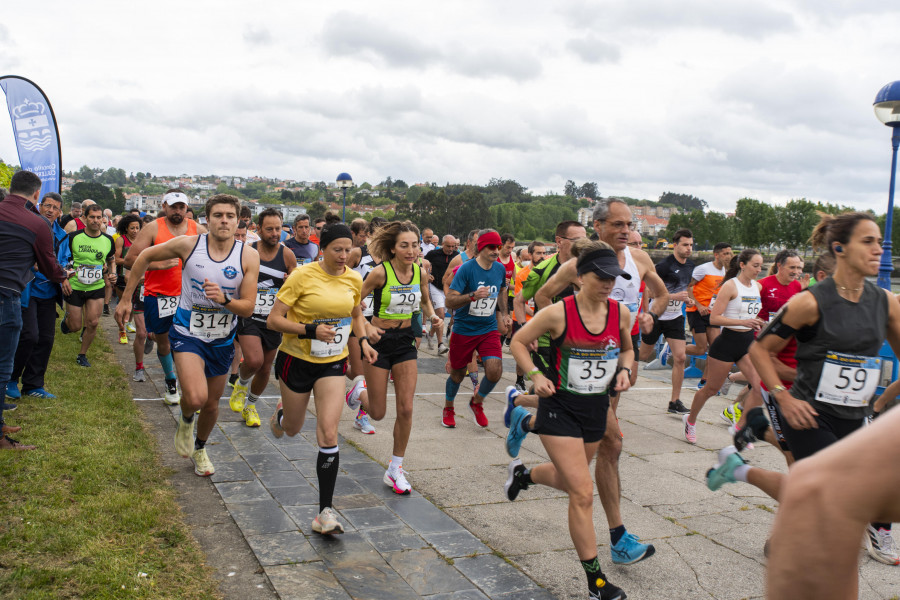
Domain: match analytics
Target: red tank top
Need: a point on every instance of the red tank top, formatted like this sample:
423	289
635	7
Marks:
166	282
773	296
585	362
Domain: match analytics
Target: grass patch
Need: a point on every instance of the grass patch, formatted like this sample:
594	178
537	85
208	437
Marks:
89	514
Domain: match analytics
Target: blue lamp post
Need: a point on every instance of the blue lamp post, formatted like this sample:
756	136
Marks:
887	109
345	182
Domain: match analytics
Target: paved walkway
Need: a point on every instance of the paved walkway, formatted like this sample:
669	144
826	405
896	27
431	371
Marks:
458	537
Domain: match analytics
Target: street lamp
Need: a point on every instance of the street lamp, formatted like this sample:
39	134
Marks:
344	181
887	109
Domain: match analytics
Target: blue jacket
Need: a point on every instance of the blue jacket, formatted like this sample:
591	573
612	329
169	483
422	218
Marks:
40	286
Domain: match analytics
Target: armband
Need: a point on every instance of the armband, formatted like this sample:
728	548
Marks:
777	327
310	333
530	374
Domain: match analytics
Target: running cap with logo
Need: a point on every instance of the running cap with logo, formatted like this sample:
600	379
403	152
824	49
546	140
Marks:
604	263
174	198
491	238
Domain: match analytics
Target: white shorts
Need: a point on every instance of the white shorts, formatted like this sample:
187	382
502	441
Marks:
437	297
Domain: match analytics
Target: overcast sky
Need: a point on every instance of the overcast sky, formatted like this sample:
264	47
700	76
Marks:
722	100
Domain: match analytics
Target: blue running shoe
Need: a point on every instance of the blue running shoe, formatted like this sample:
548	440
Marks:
511	393
9	406
516	436
40	393
723	472
12	390
665	354
629	550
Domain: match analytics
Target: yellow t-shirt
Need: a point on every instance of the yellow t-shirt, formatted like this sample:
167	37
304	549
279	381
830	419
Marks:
314	296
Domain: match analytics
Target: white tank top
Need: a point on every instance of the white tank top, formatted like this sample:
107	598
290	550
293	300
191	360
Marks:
745	305
628	291
197	316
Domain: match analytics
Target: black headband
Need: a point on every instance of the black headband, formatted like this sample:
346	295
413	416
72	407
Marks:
334	232
603	262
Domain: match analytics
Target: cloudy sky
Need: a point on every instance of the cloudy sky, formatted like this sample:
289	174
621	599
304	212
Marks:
771	100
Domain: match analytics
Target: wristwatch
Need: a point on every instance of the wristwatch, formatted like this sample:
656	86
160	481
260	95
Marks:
227	298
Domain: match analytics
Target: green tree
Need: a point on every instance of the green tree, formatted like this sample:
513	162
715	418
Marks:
97	192
6	173
316	210
755	223
118	203
85	173
795	223
589	190
683	201
571	190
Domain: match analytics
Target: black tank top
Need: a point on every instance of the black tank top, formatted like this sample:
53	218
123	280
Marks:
850	328
272	274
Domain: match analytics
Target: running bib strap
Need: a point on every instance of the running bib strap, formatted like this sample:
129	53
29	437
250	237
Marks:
265	300
336	346
166	305
484	307
89	274
210	323
591	370
848	380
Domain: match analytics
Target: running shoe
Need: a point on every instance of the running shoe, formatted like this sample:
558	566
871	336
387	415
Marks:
361	422
129	327
442	348
63	326
607	591
515	482
81	335
723	472
690	431
12	390
449	417
39	393
699	385
9	406
277	431
731	414
251	417
353	401
139	375
171	397
238	397
516	435
326	522
742	438
478	411
726	387
880	545
123	338
106	310
82	361
184	437
665	353
678	408
511	393
202	465
628	550
148	345
520	386
232	378
396	479
429	341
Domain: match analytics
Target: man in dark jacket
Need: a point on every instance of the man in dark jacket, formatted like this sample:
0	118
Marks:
25	240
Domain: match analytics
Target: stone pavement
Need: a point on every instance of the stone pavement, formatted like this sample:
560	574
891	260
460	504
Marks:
457	536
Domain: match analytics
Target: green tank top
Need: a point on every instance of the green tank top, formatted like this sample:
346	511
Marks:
89	254
397	300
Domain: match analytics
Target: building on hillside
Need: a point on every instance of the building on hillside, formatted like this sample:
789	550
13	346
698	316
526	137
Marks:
649	225
586	216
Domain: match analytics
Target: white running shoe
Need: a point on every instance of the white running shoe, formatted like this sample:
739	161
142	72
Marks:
880	545
443	349
359	384
326	522
202	465
690	431
362	423
184	438
171	397
396	479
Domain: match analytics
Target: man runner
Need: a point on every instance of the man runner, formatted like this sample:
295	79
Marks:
440	259
258	343
219	280
301	245
704	285
91	251
162	283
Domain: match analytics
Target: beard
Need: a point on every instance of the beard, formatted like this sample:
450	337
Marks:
175	218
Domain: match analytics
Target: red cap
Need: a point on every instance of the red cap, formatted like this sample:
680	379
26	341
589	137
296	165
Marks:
491	238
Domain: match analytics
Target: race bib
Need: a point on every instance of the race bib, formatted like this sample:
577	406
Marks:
750	307
166	305
321	349
712	301
848	380
404	300
265	300
674	307
89	274
484	307
210	323
141	291
369	310
590	371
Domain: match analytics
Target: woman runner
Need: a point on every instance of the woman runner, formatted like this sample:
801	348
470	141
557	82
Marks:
316	308
127	230
571	417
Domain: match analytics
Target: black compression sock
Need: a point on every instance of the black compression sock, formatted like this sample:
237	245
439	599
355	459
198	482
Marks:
616	533
189	419
327	471
199	444
594	574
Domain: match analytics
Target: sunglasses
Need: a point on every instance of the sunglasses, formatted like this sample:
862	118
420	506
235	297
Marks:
491	247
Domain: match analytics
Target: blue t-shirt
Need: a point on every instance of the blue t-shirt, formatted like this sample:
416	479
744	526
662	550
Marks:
478	317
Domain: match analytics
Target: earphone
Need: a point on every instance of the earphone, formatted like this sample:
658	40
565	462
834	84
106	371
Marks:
838	248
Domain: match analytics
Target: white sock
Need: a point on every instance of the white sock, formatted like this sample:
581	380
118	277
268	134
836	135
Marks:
244	382
396	462
740	473
251	397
